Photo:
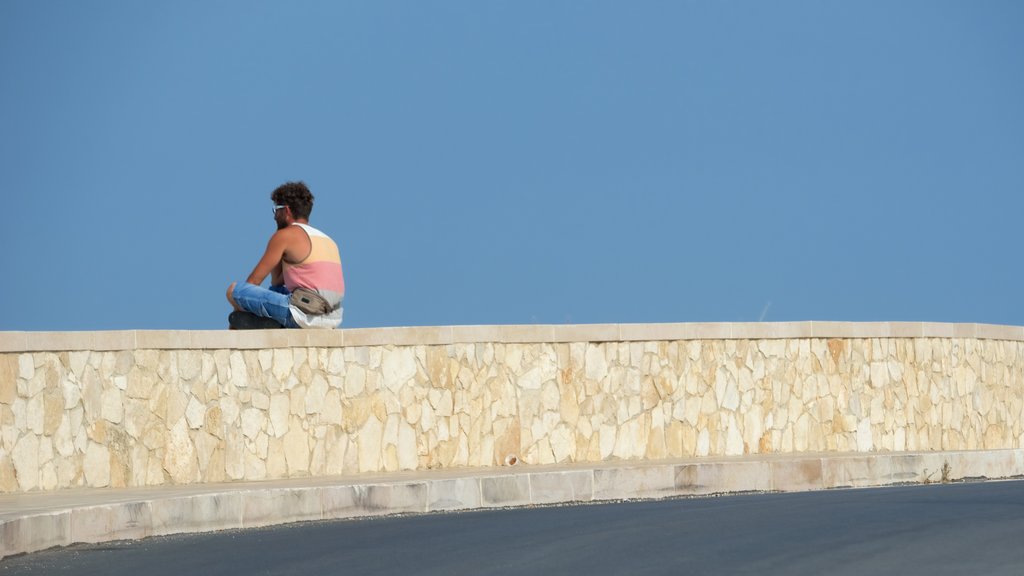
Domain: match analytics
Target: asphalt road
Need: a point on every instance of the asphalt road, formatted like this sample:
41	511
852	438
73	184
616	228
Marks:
957	529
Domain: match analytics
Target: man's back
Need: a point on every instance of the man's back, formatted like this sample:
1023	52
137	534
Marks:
318	270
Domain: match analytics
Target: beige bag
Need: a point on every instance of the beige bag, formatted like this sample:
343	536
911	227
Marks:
310	302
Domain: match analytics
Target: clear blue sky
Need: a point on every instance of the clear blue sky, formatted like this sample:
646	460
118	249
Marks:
517	162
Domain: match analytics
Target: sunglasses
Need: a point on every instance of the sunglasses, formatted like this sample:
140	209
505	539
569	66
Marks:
278	207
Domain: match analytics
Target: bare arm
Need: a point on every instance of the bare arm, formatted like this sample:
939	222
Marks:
270	263
277	275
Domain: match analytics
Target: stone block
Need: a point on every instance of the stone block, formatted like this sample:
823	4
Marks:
163	339
771	330
453	494
911	468
585	333
796	475
856	472
211	340
525	334
245	339
25	457
325	338
200	513
965	330
398	366
405	497
553	487
702	478
374	499
343	502
8	377
400	336
180	459
675	331
90	524
130	521
35	532
280	506
999	332
511	490
119	521
939	330
13	341
365	337
989	464
67	341
656	481
473	334
850	329
906	329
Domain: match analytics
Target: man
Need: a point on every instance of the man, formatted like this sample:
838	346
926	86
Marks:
298	256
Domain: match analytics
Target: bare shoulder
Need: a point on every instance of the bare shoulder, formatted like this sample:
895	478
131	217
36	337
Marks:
296	243
289	234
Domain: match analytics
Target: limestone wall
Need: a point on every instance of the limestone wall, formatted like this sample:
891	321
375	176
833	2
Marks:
149	408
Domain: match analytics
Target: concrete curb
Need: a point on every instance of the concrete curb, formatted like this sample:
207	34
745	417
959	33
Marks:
36	521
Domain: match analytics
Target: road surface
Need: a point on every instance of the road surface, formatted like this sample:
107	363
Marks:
971	528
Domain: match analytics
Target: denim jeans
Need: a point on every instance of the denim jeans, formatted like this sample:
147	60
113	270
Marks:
271	303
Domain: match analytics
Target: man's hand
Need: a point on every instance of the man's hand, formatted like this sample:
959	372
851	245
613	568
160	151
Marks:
231	298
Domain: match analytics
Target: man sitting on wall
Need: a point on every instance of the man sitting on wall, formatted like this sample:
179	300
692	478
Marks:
306	281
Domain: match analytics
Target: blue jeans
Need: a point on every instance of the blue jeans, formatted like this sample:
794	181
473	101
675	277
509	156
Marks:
271	303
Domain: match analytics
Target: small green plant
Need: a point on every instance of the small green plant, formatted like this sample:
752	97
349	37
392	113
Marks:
946	470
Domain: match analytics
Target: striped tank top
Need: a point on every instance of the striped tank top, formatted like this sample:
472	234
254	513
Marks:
321	273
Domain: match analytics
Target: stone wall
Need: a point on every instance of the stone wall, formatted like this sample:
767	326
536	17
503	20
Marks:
150	408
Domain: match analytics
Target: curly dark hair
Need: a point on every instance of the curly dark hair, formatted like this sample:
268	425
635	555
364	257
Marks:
294	195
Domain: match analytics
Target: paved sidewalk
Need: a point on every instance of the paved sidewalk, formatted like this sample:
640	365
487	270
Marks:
38	520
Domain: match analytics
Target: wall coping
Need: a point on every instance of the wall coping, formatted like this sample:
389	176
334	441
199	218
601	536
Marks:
534	333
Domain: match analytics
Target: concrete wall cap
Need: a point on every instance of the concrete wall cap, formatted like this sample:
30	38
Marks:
443	335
